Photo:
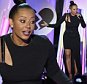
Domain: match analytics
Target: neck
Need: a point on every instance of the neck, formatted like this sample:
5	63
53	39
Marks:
73	14
18	42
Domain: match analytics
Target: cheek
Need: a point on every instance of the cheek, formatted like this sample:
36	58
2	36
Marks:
18	26
33	27
16	30
73	11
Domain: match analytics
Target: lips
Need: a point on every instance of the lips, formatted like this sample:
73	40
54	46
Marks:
26	33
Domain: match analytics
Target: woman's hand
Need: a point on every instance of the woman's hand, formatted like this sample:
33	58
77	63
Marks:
44	24
78	15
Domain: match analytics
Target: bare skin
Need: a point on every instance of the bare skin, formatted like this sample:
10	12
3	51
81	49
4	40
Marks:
23	25
68	61
73	12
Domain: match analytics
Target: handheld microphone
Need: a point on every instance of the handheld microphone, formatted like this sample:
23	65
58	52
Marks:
78	15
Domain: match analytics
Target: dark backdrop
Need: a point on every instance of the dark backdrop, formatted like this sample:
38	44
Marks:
59	10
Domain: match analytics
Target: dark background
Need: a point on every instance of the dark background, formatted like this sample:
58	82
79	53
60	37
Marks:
59	10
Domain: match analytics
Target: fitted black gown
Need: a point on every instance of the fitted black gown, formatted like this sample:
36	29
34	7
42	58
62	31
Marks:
71	38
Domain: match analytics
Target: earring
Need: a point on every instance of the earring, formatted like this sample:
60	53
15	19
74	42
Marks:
11	26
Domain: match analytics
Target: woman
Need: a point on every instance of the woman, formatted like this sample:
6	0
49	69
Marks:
24	55
71	39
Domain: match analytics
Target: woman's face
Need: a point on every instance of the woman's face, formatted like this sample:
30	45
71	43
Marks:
23	23
74	10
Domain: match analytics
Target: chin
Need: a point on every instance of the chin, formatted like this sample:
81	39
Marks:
26	38
75	13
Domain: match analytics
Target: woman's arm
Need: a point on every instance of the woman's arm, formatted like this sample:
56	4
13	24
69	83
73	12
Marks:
45	24
83	24
58	23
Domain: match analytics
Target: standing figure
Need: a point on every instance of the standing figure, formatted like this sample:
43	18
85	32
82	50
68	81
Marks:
71	39
24	55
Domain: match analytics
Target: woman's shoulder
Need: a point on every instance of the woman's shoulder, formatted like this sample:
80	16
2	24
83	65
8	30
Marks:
39	36
41	39
4	36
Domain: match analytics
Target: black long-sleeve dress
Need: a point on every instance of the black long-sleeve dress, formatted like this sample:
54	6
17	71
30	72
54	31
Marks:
71	37
29	62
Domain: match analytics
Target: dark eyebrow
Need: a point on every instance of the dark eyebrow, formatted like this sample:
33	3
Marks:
26	17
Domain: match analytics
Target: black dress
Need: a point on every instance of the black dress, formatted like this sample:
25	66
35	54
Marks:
71	37
29	62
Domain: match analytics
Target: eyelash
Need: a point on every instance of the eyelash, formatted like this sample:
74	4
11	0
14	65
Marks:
32	22
23	21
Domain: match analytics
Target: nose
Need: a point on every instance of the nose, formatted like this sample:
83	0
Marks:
28	25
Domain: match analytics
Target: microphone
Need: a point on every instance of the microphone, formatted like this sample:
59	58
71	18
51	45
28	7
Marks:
78	15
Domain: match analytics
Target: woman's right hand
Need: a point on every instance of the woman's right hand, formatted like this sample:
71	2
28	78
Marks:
78	15
44	24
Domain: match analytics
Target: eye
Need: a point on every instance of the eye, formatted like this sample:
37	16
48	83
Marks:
22	21
74	9
32	22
